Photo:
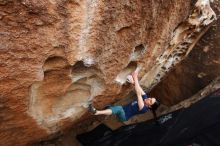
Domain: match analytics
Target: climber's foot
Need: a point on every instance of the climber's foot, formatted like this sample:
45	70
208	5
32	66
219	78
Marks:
92	109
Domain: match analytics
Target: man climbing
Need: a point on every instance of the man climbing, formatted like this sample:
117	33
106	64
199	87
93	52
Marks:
139	106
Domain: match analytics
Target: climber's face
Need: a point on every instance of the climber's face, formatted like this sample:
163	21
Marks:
150	101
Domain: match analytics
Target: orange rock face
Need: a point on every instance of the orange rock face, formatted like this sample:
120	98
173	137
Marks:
200	68
58	55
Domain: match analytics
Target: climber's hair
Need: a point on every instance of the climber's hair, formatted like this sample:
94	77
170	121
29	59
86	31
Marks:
153	108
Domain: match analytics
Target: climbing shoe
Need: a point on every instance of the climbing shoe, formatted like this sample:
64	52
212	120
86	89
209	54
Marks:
92	109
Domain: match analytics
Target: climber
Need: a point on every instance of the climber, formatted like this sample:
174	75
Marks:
139	106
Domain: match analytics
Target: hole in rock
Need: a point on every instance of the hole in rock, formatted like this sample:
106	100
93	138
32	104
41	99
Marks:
55	63
122	76
65	91
88	76
138	51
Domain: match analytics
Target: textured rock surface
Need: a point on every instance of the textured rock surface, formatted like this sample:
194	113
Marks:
200	67
183	40
68	139
57	55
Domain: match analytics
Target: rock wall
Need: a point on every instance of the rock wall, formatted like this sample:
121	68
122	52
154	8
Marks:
200	67
58	55
183	40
